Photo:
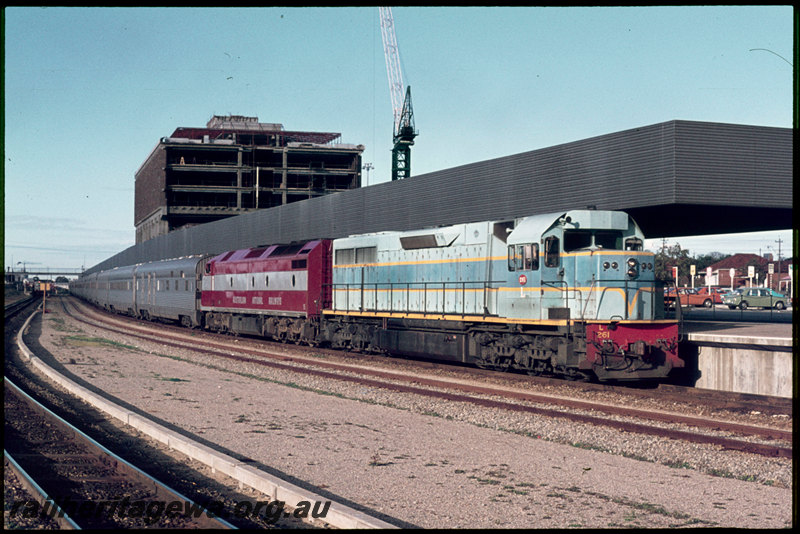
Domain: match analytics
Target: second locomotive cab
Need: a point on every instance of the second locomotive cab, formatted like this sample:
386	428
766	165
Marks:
570	293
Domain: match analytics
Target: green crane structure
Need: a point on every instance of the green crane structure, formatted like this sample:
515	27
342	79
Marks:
404	130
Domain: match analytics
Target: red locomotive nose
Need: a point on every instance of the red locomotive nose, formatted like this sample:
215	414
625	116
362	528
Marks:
631	351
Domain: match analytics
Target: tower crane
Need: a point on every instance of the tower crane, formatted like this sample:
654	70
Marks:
404	132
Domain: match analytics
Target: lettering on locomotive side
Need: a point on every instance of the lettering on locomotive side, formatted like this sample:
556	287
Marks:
240	300
258	300
602	333
275	301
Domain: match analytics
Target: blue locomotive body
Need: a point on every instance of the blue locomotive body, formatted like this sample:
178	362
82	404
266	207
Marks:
537	293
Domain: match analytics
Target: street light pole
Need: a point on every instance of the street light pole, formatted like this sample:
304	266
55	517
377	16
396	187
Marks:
367	167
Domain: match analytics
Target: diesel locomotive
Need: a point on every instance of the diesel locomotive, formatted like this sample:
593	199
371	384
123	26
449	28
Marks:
571	294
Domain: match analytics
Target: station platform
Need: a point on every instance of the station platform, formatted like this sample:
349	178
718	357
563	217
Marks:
753	358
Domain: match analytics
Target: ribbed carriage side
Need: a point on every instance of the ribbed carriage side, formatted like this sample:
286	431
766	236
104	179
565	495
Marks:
169	289
121	290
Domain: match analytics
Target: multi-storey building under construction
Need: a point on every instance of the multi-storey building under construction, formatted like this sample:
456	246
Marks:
237	165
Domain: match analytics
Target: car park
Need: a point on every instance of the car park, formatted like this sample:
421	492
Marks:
756	297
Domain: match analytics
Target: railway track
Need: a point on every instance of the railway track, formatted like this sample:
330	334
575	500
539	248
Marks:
80	483
722	433
737	403
261	501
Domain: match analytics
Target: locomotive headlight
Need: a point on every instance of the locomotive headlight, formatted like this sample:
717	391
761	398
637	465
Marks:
633	267
614	265
606	265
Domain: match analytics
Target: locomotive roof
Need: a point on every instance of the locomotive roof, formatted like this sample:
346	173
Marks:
531	229
266	251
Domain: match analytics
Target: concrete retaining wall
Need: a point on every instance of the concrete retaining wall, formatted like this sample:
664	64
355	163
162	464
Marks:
757	365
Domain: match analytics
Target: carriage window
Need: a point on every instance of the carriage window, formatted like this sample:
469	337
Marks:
551	251
511	260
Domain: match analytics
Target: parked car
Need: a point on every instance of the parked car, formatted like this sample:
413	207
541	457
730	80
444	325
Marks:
687	297
714	294
756	297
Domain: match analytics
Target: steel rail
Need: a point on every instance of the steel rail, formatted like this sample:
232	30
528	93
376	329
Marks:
224	351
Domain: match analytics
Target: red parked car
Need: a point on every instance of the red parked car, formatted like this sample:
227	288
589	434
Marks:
713	293
692	297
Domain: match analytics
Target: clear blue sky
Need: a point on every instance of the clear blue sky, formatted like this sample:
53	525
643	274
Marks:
88	92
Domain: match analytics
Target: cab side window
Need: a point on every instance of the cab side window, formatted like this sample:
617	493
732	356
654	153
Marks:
523	257
531	262
551	251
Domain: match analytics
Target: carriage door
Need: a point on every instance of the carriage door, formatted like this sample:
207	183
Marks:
134	287
554	290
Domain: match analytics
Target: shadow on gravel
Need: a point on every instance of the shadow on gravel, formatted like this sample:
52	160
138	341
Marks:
126	446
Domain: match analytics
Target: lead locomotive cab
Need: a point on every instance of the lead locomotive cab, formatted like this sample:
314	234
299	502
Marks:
593	274
582	264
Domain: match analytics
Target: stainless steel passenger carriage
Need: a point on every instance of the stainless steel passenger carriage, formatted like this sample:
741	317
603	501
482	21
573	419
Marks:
169	289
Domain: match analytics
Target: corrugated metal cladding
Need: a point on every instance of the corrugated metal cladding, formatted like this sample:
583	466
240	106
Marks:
675	178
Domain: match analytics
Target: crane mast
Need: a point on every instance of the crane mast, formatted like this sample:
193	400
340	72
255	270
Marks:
403	124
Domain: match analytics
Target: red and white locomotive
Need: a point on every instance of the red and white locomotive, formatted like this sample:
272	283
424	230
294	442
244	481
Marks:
275	291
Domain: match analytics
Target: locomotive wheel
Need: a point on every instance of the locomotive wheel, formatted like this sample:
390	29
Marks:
573	375
539	368
495	361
